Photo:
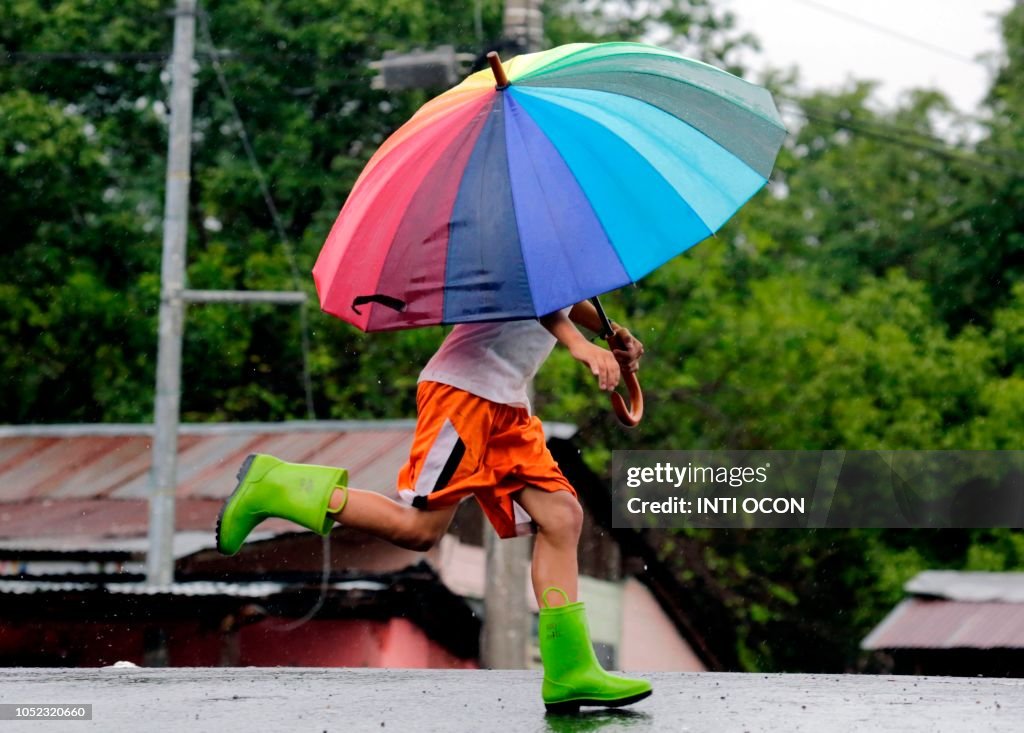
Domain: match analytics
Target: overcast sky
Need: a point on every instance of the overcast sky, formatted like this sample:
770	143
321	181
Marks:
829	48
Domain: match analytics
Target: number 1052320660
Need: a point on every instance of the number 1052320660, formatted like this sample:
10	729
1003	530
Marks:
13	711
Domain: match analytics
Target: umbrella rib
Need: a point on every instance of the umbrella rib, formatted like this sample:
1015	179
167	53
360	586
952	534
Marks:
775	122
696	88
597	218
405	134
388	177
551	217
643	50
471	133
710	181
511	193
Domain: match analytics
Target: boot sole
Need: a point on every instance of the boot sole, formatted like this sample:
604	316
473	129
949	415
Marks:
572	707
240	476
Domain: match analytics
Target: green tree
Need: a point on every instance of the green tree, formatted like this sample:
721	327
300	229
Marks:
65	295
869	298
299	76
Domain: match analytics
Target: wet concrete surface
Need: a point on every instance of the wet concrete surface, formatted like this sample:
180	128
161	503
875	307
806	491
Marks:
224	700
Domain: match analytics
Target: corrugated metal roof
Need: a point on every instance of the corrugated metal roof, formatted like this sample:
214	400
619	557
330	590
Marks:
117	467
82	485
561	430
75	430
186	542
69	463
955	585
112	461
77	487
918	623
97	518
247	590
198	588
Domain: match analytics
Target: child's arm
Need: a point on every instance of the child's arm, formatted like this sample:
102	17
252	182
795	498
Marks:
601	362
585	314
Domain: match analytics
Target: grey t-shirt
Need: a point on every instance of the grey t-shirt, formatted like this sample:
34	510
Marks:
495	361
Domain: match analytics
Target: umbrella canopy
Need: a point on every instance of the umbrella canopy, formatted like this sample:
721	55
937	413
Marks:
583	171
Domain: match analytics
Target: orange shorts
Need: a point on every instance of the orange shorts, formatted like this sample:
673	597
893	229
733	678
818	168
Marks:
466	446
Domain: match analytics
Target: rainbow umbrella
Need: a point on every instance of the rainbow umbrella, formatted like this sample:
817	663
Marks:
536	185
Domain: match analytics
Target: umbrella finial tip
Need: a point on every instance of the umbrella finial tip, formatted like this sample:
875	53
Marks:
499	71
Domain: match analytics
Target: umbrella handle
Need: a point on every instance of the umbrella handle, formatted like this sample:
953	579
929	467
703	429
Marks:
630	415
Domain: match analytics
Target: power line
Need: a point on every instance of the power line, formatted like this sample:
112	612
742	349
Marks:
31	57
892	136
885	132
952	154
375	40
268	199
888	31
76	56
892	128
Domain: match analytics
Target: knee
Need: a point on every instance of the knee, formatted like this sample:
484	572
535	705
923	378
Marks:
563	517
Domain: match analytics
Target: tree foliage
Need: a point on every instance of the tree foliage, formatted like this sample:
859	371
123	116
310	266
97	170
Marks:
869	298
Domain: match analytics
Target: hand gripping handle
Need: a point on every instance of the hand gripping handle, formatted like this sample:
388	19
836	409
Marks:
629	415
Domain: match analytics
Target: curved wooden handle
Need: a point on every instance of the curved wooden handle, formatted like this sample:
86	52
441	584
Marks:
631	414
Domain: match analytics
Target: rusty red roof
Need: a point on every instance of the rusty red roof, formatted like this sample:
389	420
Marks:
112	462
951	610
91	481
936	624
82	483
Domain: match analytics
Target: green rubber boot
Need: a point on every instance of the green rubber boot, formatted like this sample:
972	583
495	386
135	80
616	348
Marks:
572	674
269	487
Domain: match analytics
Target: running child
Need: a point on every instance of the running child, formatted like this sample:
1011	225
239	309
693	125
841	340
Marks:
475	436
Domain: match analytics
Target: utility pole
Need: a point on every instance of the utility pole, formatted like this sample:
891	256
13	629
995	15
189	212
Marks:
163	479
503	643
173	299
524	23
507	625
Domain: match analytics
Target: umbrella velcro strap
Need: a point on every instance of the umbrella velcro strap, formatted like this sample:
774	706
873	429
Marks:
385	300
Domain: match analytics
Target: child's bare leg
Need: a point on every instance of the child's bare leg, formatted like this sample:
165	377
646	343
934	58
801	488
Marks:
572	674
400	524
559	519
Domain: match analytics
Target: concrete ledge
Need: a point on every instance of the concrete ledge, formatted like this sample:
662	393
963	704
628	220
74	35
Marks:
271	699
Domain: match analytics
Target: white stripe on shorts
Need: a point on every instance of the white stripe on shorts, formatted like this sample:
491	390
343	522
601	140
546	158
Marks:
437	457
524	522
